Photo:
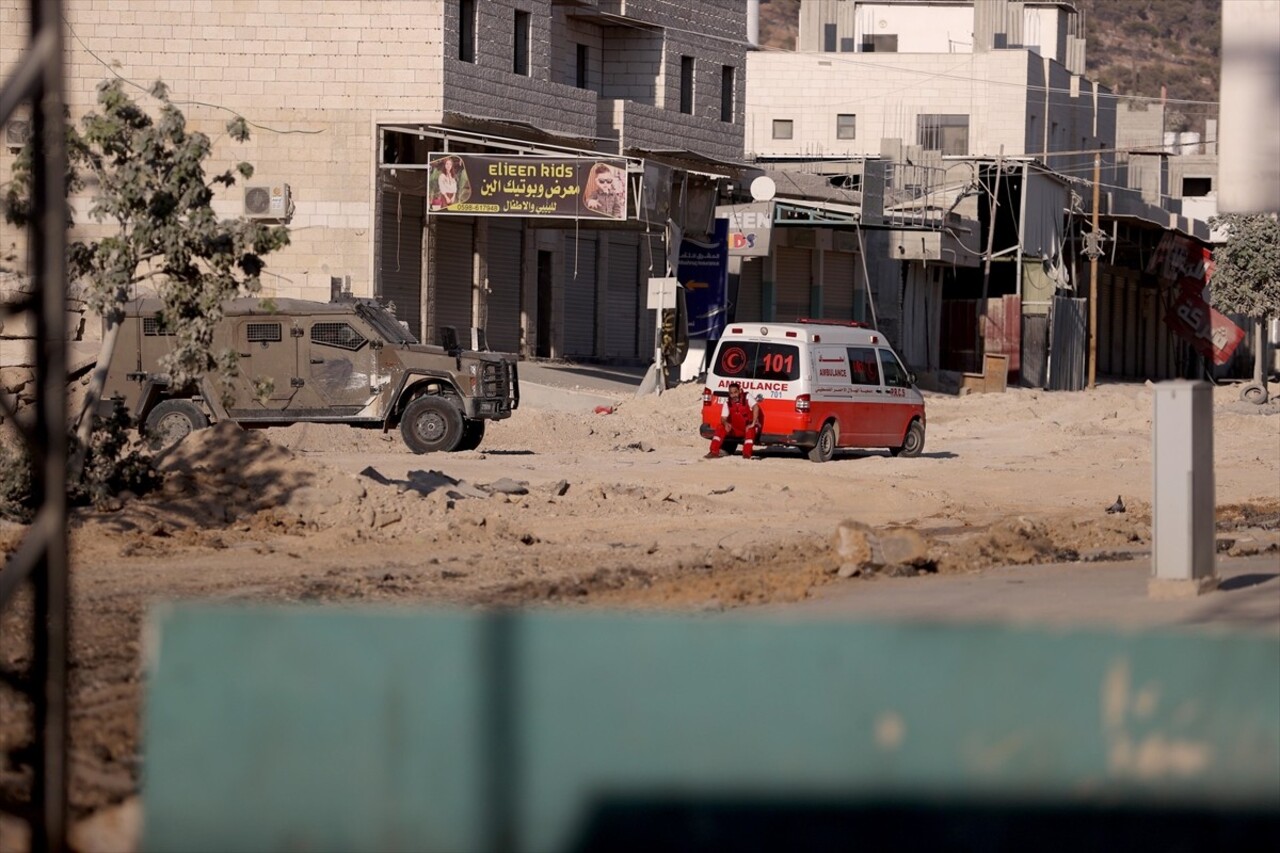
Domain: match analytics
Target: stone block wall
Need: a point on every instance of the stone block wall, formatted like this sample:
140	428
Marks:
313	78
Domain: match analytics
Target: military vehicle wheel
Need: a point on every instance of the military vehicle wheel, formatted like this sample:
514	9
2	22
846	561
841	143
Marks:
171	421
431	424
825	449
472	434
912	442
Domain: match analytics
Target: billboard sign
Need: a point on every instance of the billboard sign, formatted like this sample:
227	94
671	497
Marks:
704	272
523	185
750	228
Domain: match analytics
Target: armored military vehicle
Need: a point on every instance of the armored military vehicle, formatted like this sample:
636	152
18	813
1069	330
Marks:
345	362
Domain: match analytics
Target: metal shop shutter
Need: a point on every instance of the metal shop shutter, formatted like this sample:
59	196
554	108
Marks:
794	272
580	296
623	295
400	255
454	270
505	256
837	285
749	286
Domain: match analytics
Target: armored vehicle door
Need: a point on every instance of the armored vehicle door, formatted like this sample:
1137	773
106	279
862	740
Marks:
342	362
271	381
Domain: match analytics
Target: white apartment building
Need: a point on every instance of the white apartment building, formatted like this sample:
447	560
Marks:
348	99
955	79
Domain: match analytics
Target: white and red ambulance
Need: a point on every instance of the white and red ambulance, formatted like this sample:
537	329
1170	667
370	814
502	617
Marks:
825	386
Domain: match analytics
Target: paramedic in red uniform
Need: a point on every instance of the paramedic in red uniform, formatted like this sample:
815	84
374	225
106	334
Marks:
740	420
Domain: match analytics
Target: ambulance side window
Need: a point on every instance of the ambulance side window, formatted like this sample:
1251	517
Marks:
895	374
863	367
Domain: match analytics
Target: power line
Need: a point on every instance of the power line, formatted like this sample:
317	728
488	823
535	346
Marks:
142	88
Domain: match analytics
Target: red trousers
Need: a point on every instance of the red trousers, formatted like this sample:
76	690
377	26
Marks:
748	436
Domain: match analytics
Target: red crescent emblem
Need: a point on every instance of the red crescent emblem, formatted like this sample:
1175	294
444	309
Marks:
733	360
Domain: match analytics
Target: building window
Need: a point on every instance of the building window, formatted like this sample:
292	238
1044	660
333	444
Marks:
581	80
726	93
467	30
520	62
846	126
1196	187
947	134
846	45
686	85
829	38
879	44
783	128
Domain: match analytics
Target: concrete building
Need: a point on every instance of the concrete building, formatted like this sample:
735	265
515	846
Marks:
348	101
953	78
973	120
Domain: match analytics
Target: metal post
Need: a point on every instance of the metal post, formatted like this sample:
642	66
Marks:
42	556
1022	228
986	268
51	420
1093	277
1182	516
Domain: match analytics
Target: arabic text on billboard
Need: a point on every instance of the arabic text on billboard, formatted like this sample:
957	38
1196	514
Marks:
488	185
704	271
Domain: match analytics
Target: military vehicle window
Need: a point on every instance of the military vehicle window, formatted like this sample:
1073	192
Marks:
386	324
863	367
894	373
745	360
263	333
337	335
152	326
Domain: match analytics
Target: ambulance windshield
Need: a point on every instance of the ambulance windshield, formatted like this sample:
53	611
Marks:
754	360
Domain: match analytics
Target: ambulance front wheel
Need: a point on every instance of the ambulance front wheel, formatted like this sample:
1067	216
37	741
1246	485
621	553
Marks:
912	442
825	449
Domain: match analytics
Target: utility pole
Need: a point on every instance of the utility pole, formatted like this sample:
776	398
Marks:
994	190
1094	249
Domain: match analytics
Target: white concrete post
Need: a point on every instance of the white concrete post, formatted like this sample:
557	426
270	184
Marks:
1182	535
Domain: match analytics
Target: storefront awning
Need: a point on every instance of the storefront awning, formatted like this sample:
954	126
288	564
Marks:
806	211
696	163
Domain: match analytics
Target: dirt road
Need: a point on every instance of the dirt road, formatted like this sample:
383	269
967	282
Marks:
615	510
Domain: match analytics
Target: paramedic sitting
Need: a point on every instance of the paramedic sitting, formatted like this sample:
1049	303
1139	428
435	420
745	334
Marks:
738	420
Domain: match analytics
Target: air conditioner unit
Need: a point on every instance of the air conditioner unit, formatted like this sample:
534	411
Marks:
267	201
16	132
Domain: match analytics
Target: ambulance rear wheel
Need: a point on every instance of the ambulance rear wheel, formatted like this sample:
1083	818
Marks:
912	442
825	449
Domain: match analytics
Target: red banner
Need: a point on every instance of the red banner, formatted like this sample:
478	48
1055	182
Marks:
1186	262
1208	331
1177	258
